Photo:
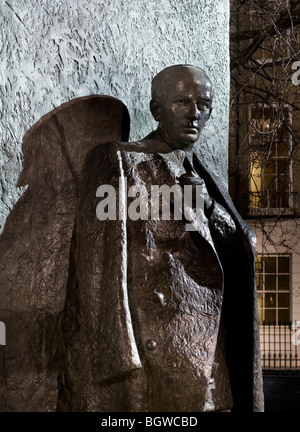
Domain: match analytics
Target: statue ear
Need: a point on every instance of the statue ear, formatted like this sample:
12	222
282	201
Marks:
155	107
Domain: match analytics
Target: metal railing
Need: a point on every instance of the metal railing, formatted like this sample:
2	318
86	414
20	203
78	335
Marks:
280	345
270	204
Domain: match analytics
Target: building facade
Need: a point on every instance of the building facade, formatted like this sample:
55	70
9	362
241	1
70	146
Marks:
264	156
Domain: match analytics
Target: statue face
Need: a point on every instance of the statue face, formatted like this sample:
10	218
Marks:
186	108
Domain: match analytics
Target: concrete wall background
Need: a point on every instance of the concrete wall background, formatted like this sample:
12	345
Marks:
53	51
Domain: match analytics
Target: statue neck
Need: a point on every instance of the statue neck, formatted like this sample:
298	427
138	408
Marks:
166	143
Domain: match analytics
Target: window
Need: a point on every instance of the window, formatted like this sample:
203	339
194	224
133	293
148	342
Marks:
270	161
273	288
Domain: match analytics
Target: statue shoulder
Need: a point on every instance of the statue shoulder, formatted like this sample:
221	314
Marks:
106	150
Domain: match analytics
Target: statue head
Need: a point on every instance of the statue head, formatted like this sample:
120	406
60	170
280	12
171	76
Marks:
181	103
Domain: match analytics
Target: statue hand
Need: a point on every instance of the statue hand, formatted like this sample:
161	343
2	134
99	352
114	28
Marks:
191	178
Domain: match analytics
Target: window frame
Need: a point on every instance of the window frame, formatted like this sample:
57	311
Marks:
256	209
262	291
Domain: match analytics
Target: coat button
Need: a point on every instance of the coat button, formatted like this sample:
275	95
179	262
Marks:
167	257
151	344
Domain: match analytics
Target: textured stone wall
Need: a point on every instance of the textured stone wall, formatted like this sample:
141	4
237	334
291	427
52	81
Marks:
53	51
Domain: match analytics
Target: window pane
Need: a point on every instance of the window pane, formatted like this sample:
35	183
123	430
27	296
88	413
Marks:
283	166
283	264
270	264
258	264
260	308
270	172
283	282
259	282
270	300
282	146
283	183
283	315
270	315
270	151
271	184
273	199
270	281
283	200
283	300
273	286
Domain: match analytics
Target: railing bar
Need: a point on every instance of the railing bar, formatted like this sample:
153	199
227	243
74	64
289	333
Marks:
279	333
296	347
277	349
264	332
274	344
285	357
269	324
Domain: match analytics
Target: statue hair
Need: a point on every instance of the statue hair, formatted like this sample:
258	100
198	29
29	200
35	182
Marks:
160	82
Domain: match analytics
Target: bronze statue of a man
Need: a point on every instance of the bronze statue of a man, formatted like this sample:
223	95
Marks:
159	317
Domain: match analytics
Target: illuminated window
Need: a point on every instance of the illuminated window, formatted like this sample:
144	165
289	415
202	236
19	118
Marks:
273	288
270	161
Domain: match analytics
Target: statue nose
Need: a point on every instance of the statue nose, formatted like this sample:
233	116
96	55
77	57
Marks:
194	111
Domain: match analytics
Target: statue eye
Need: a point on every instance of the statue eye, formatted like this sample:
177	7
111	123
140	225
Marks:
202	106
183	101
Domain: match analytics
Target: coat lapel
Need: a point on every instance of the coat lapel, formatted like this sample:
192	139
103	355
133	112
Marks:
195	222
